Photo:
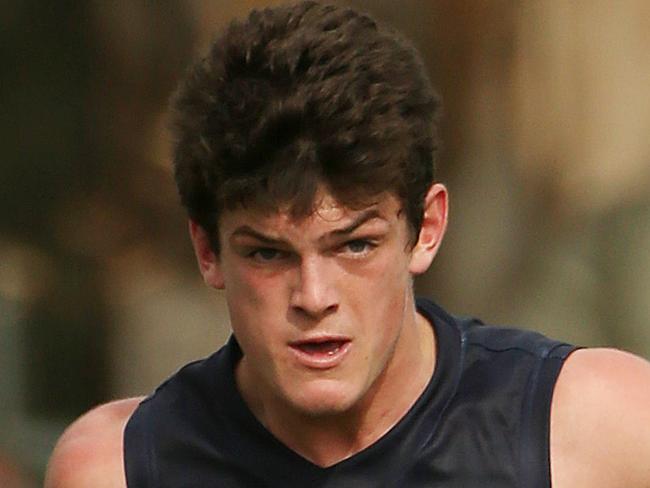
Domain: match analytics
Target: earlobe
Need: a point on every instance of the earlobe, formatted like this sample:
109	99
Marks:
434	225
207	259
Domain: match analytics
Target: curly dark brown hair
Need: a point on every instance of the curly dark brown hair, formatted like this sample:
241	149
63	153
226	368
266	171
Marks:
300	96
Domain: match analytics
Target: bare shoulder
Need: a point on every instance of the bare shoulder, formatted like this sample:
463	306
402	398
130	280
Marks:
89	453
600	421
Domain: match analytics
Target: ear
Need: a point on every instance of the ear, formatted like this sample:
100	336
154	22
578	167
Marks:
208	260
434	224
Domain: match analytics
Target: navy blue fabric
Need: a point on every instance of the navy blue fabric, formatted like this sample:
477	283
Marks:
483	421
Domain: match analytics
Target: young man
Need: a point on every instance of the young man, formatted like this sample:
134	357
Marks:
304	155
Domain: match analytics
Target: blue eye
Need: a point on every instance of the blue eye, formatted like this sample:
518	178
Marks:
265	254
358	246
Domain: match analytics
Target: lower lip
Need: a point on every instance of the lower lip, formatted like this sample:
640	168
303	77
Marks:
321	360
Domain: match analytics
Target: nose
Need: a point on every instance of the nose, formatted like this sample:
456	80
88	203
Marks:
314	293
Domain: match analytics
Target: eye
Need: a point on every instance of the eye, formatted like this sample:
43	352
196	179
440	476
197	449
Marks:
359	246
264	254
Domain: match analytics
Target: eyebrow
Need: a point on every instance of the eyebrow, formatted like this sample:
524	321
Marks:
367	215
247	231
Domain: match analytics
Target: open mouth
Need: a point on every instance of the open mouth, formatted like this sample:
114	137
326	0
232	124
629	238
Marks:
321	353
328	348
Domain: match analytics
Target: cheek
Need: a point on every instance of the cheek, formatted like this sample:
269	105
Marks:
245	285
379	293
388	272
254	300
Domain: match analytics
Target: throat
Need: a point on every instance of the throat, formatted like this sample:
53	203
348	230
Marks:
325	439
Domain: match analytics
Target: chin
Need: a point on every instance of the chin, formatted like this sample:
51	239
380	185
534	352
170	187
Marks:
324	398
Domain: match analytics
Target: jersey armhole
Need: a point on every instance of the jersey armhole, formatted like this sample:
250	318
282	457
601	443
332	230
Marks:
535	459
139	461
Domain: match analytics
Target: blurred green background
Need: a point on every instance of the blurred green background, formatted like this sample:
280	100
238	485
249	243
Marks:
547	156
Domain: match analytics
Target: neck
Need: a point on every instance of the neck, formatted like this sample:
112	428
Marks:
328	440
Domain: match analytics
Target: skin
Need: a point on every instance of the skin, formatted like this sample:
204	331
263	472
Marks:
347	273
89	453
336	273
600	421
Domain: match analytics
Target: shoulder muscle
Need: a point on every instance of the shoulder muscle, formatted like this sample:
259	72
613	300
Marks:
600	421
89	453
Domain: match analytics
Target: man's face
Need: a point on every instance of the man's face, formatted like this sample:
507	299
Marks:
318	305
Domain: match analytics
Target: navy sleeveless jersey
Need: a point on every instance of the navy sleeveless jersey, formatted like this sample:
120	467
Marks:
483	421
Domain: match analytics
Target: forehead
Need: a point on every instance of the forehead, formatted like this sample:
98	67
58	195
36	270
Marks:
327	214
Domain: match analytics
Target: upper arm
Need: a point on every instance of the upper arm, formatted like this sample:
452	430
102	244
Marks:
89	453
600	421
